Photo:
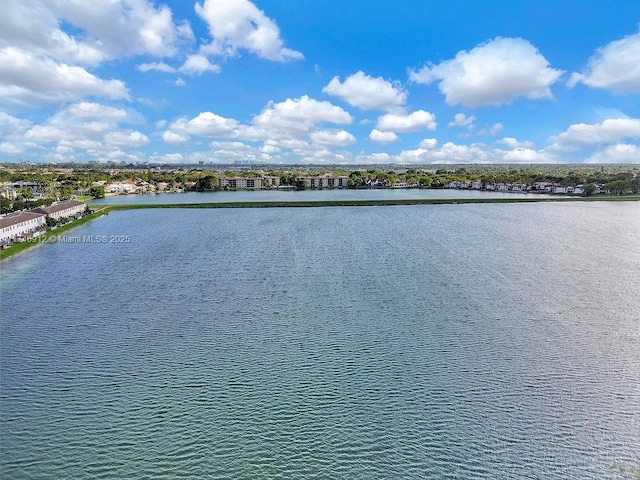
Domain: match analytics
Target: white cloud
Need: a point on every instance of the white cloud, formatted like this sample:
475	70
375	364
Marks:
239	24
206	124
428	143
26	79
174	138
493	73
197	64
368	93
451	153
125	27
157	66
86	110
126	139
10	125
382	137
612	130
180	82
9	148
494	129
616	67
328	138
300	114
461	120
514	143
418	120
618	153
77	132
34	27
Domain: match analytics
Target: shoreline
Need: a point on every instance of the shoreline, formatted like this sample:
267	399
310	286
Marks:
104	209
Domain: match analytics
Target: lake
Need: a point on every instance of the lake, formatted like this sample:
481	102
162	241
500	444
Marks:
490	341
308	195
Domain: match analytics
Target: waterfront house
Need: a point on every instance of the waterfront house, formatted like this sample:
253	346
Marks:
19	225
65	209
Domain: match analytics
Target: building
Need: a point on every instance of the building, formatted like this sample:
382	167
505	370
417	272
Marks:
326	181
119	188
240	182
19	225
66	209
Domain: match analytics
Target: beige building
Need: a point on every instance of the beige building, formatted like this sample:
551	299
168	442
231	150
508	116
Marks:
241	182
326	181
21	224
66	209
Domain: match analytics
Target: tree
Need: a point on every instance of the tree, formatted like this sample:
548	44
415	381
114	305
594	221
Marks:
97	192
5	205
208	182
25	193
67	191
589	190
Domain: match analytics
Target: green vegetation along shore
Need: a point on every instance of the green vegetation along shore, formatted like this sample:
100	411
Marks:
48	236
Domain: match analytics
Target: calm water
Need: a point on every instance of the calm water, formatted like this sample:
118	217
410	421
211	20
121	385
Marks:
442	341
308	195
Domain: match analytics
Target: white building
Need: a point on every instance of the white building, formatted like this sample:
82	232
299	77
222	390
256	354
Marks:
17	225
326	181
119	188
240	182
66	209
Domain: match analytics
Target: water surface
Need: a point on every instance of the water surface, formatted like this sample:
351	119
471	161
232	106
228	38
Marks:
441	341
309	195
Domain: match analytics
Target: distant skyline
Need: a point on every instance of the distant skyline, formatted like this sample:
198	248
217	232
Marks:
320	82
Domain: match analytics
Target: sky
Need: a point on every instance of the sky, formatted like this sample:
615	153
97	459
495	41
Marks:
348	82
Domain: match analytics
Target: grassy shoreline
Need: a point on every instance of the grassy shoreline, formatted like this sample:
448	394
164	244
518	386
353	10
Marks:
103	209
21	247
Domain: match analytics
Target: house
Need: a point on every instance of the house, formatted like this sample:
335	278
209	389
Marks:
119	188
66	209
18	225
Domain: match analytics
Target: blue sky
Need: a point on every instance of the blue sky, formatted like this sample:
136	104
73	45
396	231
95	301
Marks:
320	82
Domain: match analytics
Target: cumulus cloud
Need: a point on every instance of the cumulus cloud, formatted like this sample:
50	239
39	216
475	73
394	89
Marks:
79	131
612	130
615	67
328	138
206	124
618	153
26	79
10	125
174	138
300	114
41	34
197	64
514	143
452	153
382	137
418	120
240	25
92	110
126	139
125	27
493	130
368	93
157	66
428	143
461	120
493	73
